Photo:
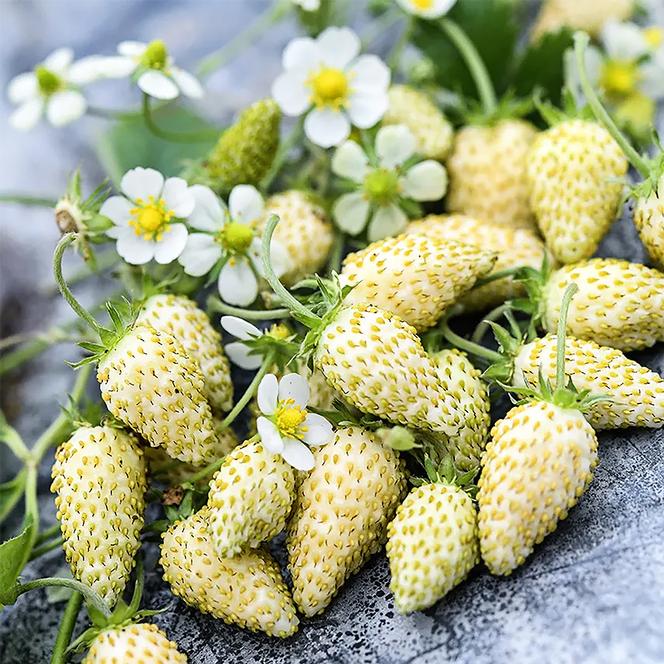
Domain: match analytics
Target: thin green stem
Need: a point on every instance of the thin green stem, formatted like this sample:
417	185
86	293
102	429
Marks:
215	305
468	346
334	261
67	624
401	43
581	41
309	318
10	437
267	363
31	201
136	596
110	114
569	293
248	36
80	311
104	261
91	597
48	534
285	146
174	136
483	326
474	63
45	548
495	276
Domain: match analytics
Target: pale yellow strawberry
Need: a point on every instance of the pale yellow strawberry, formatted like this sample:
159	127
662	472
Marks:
649	222
246	590
539	462
588	15
487	170
619	304
99	478
414	276
133	644
304	232
515	247
180	317
152	385
250	498
413	108
343	508
575	171
636	394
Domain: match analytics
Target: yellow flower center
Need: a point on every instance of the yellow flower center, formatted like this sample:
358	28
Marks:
422	5
381	186
155	55
654	36
329	88
48	82
150	219
279	331
619	77
289	418
236	237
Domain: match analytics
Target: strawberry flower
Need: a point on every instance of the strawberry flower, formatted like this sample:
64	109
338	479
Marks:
325	78
427	8
148	218
227	240
385	184
285	427
248	355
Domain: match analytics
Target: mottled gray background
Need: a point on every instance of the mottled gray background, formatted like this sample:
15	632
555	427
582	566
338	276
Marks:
593	592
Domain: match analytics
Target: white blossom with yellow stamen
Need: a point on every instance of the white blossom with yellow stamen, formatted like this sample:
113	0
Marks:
427	8
325	78
148	219
285	426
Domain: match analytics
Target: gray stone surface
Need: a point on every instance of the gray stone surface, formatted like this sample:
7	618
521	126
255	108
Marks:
593	592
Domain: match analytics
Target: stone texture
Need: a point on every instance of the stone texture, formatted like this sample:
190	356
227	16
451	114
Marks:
593	592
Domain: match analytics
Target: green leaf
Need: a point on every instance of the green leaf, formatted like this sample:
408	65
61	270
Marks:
542	66
129	143
12	555
10	494
490	25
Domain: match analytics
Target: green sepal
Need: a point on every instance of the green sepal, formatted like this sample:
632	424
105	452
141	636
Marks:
345	415
12	558
443	471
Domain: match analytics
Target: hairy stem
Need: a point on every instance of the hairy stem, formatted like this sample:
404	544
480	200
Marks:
215	305
492	316
468	346
474	63
91	597
45	548
569	293
66	629
31	201
581	41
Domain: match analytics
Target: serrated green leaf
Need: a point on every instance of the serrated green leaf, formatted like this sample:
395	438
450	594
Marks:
490	25
10	494
12	555
129	143
542	66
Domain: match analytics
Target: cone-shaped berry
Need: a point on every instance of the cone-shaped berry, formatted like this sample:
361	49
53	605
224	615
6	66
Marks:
246	590
414	276
133	643
343	508
99	478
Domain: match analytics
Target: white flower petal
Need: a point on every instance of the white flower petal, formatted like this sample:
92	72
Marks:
297	454
319	430
394	145
350	211
135	249
142	183
65	107
270	436
387	221
301	53
369	74
132	49
245	203
295	387
178	198
208	213
22	88
86	70
338	46
435	9
59	60
157	85
652	79
238	353
199	254
365	109
172	243
240	328
27	115
326	127
117	209
188	83
426	181
237	282
115	66
268	391
350	161
291	93
623	41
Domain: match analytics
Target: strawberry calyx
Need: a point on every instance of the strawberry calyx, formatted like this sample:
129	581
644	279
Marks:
443	471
